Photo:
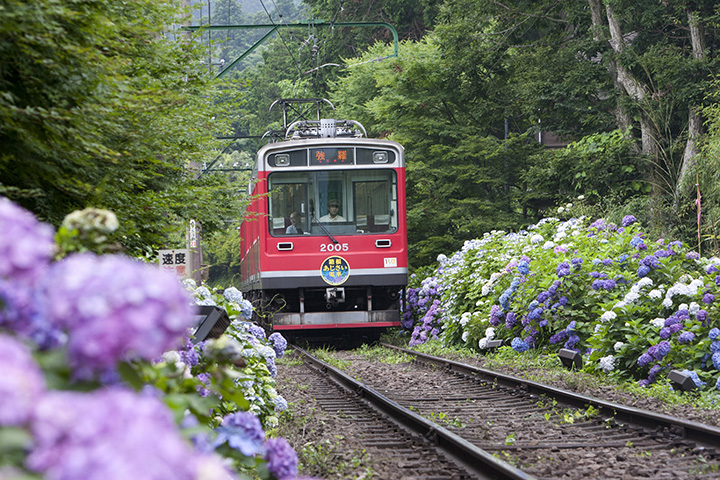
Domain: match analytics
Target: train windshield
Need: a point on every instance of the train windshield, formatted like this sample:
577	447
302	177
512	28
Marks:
340	202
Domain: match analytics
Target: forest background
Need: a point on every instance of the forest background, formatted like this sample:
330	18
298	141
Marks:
109	104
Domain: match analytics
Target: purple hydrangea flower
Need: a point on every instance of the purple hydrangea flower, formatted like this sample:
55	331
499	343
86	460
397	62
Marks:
563	269
282	461
663	349
21	384
686	337
692	256
675	327
279	344
257	331
510	320
708	298
114	308
628	220
644	359
113	434
572	341
242	431
26	245
558	337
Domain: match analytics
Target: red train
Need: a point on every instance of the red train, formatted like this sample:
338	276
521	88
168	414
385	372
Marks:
324	247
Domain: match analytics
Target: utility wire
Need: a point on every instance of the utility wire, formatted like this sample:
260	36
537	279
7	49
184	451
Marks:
281	38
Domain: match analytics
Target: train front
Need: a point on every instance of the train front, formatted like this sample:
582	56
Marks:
331	249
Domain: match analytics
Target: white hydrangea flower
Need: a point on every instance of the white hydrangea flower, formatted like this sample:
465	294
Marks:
607	363
658	322
631	296
618	346
608	316
667	303
548	245
694	308
465	318
465	336
655	294
490	333
483	343
537	238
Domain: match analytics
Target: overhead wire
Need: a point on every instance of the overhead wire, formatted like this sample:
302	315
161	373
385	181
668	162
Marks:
280	36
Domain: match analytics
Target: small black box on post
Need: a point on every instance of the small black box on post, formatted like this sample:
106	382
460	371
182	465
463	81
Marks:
212	322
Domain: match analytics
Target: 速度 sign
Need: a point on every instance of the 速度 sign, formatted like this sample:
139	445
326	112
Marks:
175	261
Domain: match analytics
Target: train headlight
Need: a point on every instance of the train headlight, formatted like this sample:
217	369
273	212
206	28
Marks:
380	157
282	160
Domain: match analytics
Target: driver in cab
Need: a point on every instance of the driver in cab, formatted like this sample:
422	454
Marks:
332	216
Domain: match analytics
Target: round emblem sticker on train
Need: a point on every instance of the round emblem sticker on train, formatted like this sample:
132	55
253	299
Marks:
335	270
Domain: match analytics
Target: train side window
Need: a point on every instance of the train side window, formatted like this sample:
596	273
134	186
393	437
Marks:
372	205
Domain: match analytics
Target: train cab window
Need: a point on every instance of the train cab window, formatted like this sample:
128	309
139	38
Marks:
287	207
337	202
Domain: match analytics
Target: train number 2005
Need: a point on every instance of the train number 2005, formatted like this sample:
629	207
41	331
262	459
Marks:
334	247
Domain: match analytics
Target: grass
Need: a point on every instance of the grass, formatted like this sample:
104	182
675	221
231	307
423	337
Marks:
384	355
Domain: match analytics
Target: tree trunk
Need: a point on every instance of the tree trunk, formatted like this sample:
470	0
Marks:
622	117
634	88
697	38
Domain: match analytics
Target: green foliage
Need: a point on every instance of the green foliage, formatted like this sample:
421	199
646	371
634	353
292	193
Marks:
597	166
103	106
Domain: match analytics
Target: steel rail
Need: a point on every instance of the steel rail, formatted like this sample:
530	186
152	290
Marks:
476	461
703	435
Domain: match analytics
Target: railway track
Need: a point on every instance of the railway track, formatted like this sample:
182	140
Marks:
486	423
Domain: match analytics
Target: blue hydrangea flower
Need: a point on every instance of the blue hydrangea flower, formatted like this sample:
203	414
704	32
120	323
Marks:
242	431
637	242
643	270
716	360
692	256
714	333
519	345
523	268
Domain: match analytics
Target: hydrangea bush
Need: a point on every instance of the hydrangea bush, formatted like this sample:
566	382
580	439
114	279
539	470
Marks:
634	307
101	378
